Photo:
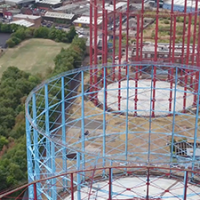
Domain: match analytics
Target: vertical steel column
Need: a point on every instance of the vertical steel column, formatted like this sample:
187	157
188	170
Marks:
187	61
106	53
155	59
148	183
194	41
198	64
137	37
185	185
95	34
198	46
195	30
48	153
72	186
53	157
120	37
172	69
150	116
36	149
142	26
137	59
196	89
103	39
91	47
127	112
106	36
110	183
127	32
188	38
120	55
95	49
103	33
114	35
29	157
104	116
78	162
174	40
183	39
141	36
35	191
196	128
64	159
174	116
50	146
136	89
91	33
82	121
170	41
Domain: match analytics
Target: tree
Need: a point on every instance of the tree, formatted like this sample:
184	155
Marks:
3	141
71	34
20	33
10	43
16	40
41	32
6	28
80	43
15	85
52	33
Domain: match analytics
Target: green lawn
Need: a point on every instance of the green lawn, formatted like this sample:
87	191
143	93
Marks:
34	55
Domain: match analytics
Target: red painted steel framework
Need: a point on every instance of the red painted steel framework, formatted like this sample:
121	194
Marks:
189	42
179	174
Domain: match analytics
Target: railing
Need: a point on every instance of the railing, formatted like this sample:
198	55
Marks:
137	182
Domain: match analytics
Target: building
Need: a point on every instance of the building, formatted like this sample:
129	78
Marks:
7	11
122	6
19	2
84	21
180	4
36	20
58	17
154	3
69	8
162	52
23	22
43	4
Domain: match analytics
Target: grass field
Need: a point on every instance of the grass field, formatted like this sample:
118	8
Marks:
164	31
34	55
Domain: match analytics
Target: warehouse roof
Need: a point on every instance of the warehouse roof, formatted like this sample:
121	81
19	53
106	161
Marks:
17	1
86	20
110	7
59	15
50	2
67	7
22	22
22	16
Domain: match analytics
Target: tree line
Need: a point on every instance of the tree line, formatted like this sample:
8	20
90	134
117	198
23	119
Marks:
15	85
21	33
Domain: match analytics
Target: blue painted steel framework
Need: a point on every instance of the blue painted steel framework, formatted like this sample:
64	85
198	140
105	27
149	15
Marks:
60	110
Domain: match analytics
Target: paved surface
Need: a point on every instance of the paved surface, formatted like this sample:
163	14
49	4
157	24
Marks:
3	38
157	189
144	96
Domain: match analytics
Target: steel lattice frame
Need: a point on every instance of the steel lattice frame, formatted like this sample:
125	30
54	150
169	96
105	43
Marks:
57	146
70	129
183	49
